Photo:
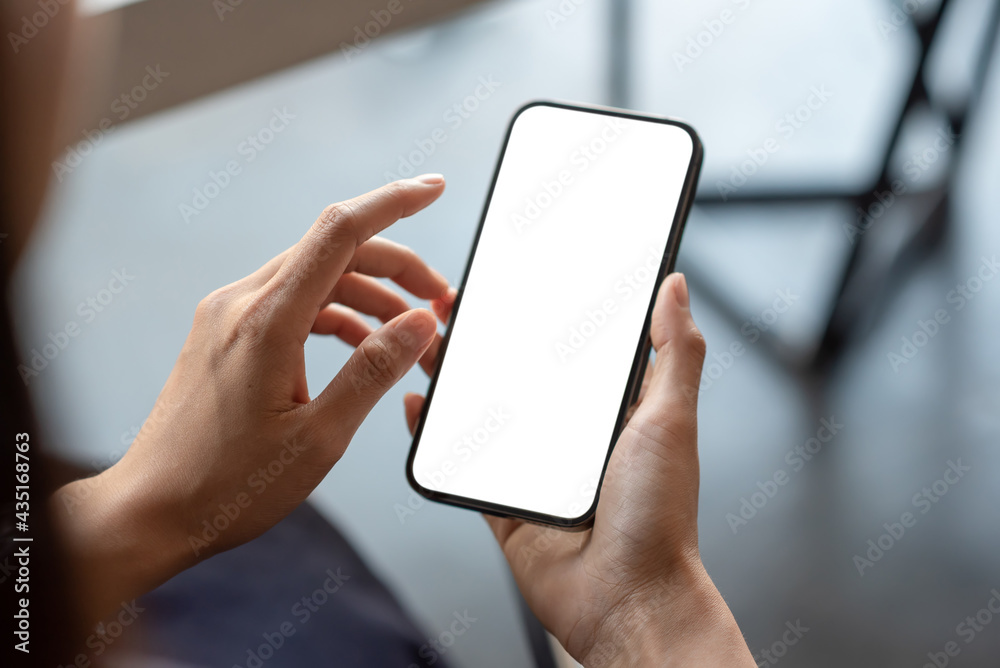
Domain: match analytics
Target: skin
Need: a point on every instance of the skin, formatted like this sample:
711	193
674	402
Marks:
630	591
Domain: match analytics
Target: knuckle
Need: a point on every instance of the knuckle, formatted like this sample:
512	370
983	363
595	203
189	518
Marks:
336	214
339	220
235	318
665	429
249	320
213	304
396	189
377	358
695	341
205	309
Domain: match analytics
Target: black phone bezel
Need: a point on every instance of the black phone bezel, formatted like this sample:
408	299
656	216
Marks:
642	349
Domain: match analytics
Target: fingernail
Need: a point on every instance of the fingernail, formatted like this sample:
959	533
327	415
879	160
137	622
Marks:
681	290
420	324
431	179
450	295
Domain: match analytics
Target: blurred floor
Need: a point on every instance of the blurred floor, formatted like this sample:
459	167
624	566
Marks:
355	121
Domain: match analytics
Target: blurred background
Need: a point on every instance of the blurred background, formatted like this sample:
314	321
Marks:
841	256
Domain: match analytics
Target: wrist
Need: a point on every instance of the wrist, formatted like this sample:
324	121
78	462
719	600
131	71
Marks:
677	621
120	543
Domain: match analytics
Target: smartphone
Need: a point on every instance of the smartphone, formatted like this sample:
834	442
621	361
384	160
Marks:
549	336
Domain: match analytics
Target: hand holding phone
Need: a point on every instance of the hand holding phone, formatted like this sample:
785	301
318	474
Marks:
632	590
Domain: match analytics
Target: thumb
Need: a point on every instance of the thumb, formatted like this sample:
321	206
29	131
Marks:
652	478
376	365
672	394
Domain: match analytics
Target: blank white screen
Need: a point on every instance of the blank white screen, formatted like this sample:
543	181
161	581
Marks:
552	312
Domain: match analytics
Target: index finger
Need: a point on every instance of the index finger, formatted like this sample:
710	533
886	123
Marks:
317	262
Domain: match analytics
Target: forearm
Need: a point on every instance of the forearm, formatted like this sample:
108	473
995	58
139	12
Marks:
680	625
119	545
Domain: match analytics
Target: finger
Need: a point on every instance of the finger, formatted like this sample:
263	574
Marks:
367	295
316	263
672	391
343	323
387	259
430	359
443	306
502	528
412	405
377	364
442	309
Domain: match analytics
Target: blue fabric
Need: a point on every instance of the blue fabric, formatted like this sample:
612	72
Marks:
297	596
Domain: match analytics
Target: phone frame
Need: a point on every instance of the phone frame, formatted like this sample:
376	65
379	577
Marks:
643	347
